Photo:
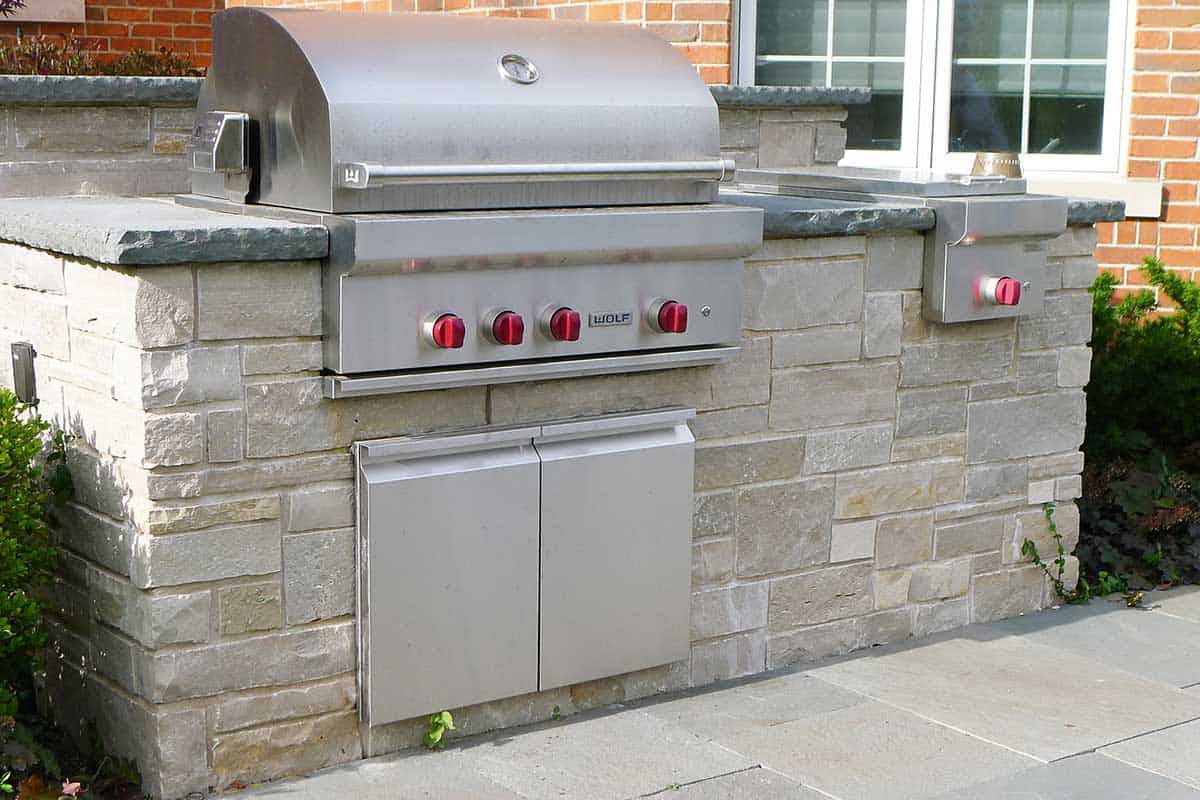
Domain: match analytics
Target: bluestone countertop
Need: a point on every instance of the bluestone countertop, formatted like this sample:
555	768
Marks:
146	231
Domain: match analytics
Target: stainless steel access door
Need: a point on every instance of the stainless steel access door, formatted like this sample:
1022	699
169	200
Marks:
616	545
448	572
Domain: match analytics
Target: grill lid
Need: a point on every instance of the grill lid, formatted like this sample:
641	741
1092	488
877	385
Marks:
382	112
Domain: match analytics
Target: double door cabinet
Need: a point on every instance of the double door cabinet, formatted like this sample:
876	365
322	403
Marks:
501	561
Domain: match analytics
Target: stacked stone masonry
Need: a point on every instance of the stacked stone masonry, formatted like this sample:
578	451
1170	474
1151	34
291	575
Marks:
783	137
101	147
862	476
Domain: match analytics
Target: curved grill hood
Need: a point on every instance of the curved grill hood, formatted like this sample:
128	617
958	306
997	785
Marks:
405	112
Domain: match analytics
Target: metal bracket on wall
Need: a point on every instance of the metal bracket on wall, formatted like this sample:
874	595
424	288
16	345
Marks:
24	376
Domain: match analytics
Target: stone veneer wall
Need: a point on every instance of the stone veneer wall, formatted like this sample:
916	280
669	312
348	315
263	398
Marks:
762	136
94	135
862	476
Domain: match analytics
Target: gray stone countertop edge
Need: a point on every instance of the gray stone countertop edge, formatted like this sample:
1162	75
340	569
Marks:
154	231
98	90
125	231
793	217
787	96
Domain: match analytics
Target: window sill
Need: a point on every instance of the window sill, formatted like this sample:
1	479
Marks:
1142	198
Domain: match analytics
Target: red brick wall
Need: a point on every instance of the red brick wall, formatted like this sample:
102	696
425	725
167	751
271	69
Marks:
114	27
1164	133
700	28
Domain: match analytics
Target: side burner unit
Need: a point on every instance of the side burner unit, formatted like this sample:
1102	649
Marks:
506	199
985	257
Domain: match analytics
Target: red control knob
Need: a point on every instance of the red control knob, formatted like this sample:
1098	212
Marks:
672	317
565	325
508	328
448	330
1008	291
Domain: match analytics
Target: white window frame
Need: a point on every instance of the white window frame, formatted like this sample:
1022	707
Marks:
927	80
1107	161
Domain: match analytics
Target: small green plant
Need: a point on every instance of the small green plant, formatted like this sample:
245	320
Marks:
1107	583
1082	591
439	723
556	713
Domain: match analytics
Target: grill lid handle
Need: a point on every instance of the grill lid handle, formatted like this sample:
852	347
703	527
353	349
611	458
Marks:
360	175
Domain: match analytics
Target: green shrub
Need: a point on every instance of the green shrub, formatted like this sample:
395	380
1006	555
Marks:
32	479
68	55
1140	512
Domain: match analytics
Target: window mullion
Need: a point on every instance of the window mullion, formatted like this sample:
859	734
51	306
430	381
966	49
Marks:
829	44
1028	77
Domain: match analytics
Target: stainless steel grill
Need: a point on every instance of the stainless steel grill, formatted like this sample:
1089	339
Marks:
985	257
506	199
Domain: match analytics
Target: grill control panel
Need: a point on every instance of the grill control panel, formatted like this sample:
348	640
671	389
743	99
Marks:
442	319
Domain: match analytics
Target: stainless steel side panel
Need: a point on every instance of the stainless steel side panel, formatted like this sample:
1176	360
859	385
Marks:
981	237
448	571
616	543
871	181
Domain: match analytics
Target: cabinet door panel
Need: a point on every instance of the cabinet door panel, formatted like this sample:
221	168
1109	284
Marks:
448	548
616	552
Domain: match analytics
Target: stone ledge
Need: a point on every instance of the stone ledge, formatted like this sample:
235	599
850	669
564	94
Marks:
1082	211
796	217
142	231
788	96
98	89
788	216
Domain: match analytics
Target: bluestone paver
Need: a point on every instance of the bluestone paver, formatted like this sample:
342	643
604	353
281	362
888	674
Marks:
872	751
1035	699
754	705
406	776
625	754
1085	777
1174	752
749	784
1183	602
1131	639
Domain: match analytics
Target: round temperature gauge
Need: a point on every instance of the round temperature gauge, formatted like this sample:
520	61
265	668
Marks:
518	69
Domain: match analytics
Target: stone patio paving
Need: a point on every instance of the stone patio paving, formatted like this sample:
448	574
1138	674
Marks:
1094	702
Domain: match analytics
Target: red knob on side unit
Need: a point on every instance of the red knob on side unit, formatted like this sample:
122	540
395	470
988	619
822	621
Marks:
565	325
1002	291
447	331
508	328
671	317
1008	291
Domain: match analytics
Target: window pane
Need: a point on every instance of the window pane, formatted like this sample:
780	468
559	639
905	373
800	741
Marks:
1070	28
989	28
868	27
985	108
876	125
793	73
1066	109
793	27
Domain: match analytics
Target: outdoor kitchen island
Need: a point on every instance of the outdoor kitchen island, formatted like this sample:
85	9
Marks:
391	415
861	475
